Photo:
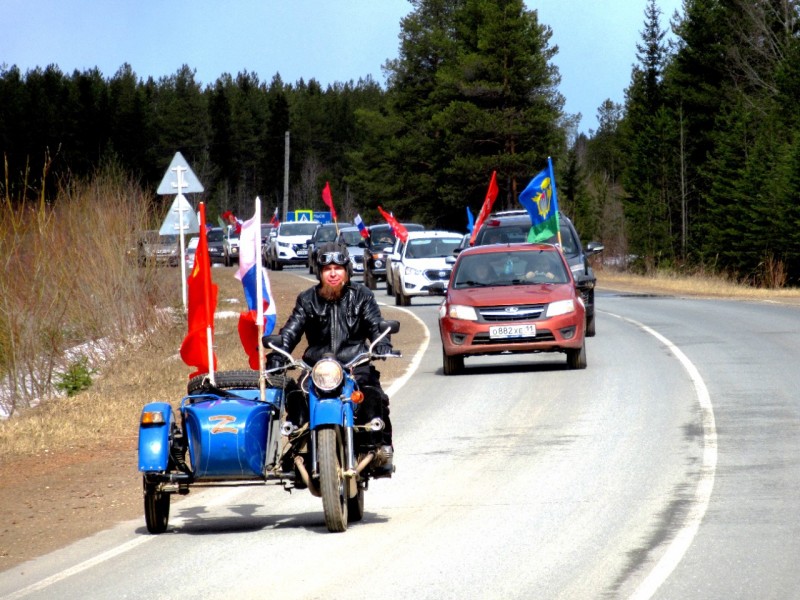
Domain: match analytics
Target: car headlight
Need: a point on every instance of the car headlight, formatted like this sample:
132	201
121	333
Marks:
412	272
459	311
562	307
284	244
327	374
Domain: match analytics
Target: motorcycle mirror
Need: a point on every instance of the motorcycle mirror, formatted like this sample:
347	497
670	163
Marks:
394	326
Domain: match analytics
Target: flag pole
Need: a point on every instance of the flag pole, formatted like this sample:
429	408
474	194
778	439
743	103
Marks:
555	200
207	294
262	385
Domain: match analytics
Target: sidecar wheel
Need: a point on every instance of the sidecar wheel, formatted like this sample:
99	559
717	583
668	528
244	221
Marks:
355	506
333	486
226	380
156	509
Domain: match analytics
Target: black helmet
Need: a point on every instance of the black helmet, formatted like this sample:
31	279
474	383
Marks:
333	253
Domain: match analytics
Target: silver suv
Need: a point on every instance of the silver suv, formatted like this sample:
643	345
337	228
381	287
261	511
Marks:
513	226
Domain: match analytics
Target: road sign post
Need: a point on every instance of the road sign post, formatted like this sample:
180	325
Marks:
178	179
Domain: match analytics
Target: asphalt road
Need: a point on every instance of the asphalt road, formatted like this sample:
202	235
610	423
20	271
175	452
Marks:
667	469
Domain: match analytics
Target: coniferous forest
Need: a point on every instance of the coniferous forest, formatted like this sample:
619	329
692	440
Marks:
698	170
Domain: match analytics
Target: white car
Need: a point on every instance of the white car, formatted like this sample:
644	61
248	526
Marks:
289	243
419	266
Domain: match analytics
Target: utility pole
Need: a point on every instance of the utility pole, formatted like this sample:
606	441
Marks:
286	177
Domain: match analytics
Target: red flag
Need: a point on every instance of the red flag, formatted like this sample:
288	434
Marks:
202	300
397	228
486	209
328	199
275	221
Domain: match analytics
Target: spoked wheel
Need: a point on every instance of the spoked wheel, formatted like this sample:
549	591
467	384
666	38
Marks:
333	486
156	508
355	505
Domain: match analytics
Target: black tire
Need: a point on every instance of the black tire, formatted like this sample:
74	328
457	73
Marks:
355	506
590	328
576	357
333	486
389	289
278	266
226	380
156	508
452	365
398	301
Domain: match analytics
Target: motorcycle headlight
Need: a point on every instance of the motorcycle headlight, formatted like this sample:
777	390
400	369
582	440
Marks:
327	374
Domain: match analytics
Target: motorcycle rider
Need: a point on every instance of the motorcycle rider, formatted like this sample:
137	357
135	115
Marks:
337	316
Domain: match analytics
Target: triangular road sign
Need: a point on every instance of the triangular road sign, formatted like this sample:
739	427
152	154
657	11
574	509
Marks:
172	222
179	168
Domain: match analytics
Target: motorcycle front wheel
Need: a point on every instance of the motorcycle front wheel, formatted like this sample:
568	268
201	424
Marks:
333	486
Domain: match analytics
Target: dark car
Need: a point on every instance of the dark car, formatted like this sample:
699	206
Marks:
216	252
379	247
157	249
513	226
512	298
326	232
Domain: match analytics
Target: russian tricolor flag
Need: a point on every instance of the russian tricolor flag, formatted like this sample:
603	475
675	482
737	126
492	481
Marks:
362	229
261	310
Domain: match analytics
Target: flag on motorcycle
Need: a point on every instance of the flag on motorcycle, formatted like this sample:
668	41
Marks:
541	201
362	229
197	349
400	232
275	221
261	311
327	198
470	220
486	209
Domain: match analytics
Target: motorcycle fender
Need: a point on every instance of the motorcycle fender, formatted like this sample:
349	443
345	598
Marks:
327	412
154	439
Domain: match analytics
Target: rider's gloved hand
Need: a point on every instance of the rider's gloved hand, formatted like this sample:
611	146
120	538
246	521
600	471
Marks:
382	349
275	361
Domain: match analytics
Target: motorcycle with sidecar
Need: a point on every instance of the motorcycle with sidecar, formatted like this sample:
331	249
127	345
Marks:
236	429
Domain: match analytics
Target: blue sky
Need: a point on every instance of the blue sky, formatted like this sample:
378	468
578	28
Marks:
329	40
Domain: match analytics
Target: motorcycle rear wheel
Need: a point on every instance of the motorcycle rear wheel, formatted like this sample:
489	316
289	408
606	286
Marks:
156	508
333	486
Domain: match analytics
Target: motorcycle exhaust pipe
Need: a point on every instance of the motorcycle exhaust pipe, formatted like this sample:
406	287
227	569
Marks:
365	461
301	468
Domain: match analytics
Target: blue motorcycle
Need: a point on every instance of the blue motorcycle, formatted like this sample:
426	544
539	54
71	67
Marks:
240	429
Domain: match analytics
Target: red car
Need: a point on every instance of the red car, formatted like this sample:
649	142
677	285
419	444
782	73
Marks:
517	298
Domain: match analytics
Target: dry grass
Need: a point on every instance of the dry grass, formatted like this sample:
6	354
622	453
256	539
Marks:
703	286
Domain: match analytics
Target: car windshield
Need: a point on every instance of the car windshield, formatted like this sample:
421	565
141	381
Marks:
518	232
351	238
431	247
326	234
510	268
215	235
305	228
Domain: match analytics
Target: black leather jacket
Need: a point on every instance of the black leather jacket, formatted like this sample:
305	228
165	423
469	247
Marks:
341	327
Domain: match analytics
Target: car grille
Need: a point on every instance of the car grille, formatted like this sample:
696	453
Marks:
542	335
496	314
297	247
438	274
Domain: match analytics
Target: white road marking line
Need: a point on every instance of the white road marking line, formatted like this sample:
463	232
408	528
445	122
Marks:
702	496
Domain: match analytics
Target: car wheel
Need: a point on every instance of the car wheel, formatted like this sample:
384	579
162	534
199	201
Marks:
389	289
369	280
452	365
398	301
227	260
590	328
576	357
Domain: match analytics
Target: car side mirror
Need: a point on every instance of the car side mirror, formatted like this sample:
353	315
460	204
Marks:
584	282
394	257
450	260
594	248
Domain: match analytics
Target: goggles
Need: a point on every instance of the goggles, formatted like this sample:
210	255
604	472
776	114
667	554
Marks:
338	258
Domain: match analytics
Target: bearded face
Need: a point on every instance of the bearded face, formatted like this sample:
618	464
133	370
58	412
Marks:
332	281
